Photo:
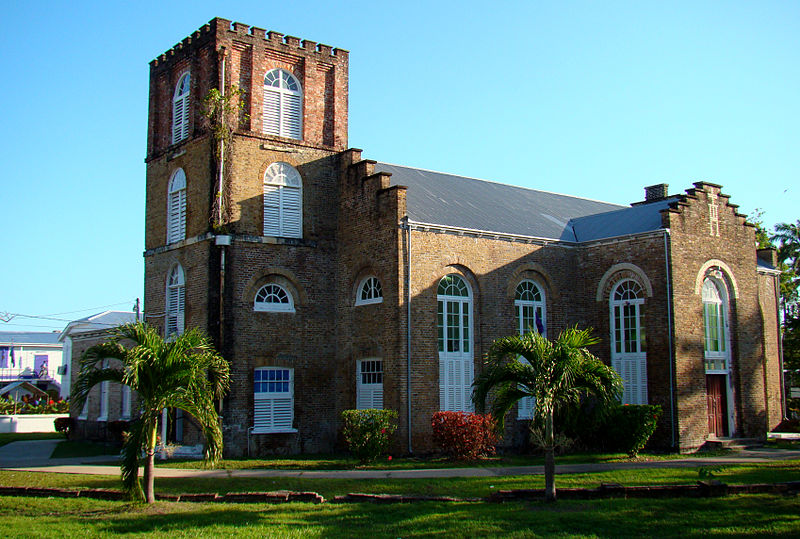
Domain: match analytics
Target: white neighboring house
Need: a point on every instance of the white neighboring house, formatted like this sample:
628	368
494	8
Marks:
35	357
86	328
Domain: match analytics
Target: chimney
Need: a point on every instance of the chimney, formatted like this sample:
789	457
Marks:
656	192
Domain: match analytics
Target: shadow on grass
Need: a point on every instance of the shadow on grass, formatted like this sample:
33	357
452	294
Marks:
741	516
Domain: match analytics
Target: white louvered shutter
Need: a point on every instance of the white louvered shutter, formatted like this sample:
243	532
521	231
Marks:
369	390
273	404
272	210
177	216
292	116
172	310
180	315
271	118
178	107
292	214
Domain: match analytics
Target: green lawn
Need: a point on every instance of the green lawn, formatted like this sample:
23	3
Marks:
345	462
464	487
8	437
733	516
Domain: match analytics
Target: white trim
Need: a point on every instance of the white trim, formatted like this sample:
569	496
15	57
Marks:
526	406
176	207
283	201
701	275
175	302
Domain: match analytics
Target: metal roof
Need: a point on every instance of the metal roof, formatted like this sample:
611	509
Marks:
469	203
633	220
29	337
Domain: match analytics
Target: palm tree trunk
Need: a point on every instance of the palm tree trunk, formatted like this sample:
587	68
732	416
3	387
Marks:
149	466
549	459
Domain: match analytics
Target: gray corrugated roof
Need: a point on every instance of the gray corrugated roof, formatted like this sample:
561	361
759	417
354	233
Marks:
29	337
457	201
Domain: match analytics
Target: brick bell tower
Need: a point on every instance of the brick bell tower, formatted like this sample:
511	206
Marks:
229	217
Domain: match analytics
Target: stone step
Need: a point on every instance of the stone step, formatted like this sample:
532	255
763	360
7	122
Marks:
732	443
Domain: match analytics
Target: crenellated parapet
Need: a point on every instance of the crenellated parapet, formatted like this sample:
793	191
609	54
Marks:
224	29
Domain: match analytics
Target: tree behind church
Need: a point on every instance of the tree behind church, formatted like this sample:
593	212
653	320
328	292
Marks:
185	372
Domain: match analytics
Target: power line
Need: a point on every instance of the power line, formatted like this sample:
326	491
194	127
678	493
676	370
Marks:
91	308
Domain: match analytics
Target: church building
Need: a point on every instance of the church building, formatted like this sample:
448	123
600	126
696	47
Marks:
330	281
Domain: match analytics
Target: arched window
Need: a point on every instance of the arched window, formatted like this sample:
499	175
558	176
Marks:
715	323
529	308
628	356
456	369
283	105
175	301
176	207
283	201
273	298
180	109
370	291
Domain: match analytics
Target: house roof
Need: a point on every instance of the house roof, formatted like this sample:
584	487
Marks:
27	386
99	321
469	203
28	337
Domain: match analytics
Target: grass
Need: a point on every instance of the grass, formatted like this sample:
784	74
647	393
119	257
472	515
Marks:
8	437
72	449
465	487
344	462
733	516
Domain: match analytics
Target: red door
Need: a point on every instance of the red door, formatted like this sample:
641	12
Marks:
717	404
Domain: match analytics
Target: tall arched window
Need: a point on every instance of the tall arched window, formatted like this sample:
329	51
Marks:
456	369
176	291
283	105
283	201
529	310
176	207
715	322
628	356
180	109
716	356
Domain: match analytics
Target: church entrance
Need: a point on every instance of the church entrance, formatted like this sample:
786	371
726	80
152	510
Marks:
717	404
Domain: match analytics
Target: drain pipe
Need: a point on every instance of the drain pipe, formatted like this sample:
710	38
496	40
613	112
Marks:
407	227
667	260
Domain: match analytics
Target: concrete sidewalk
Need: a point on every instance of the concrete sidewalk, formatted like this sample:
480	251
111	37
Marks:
33	456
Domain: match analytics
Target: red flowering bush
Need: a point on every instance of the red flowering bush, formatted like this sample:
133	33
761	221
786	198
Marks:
463	435
367	432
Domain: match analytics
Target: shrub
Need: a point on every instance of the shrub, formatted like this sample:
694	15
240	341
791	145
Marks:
117	430
367	432
64	424
463	435
629	427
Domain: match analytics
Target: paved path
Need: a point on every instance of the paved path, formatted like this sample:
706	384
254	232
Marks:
34	456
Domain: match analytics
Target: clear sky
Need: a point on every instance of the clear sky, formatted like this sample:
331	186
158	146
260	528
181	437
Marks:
595	99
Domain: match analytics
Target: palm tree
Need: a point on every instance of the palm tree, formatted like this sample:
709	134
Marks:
556	373
789	249
185	373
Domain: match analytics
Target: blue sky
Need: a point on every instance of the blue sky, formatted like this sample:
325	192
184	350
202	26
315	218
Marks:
595	99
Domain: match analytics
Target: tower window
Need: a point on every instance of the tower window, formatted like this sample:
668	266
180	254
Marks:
176	207
180	109
283	105
283	201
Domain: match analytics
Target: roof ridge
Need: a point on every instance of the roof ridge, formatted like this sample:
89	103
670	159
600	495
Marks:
621	206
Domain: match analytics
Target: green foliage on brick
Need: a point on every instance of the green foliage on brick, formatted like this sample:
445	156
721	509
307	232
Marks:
367	432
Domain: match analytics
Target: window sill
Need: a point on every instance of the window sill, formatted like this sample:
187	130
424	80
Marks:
268	431
103	419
